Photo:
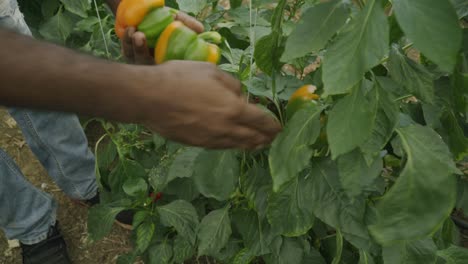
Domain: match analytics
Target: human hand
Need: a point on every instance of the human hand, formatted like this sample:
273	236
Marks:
135	49
199	105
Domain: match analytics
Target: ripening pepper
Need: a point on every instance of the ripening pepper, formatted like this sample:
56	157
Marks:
178	42
301	98
130	13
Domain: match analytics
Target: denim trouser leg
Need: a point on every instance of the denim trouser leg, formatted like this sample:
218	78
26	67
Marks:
60	144
25	212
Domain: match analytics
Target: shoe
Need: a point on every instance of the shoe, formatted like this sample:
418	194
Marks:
123	219
52	250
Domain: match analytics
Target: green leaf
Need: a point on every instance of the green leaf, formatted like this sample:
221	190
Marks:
106	155
411	75
365	258
462	199
334	207
160	253
257	186
290	210
183	188
462	7
135	186
192	6
454	255
457	141
144	234
100	220
426	177
410	252
313	31
57	28
214	232
125	169
433	27
385	121
216	173
77	7
356	176
184	162
182	216
49	7
447	235
264	48
139	217
255	231
87	24
183	250
290	251
359	47
351	121
243	257
291	151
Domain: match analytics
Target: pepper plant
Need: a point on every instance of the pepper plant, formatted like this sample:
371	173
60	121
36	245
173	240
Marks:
368	173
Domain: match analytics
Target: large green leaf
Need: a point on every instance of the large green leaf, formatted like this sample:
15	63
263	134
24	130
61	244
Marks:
411	75
385	121
290	210
192	6
356	176
144	234
182	216
160	253
183	250
77	7
433	27
57	28
410	252
216	173
454	255
359	47
316	27
183	164
255	231
286	251
351	121
425	189
100	220
214	232
257	186
290	152
125	169
334	207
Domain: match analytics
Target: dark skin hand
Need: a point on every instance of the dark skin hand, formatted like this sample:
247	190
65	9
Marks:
191	102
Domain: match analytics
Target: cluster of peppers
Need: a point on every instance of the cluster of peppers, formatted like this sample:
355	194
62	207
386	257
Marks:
171	39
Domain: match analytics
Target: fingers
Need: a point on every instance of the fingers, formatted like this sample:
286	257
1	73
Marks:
190	22
127	44
255	118
141	52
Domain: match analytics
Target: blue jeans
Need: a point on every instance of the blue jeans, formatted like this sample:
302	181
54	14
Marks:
58	141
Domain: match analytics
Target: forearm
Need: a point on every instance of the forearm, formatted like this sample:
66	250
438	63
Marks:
45	76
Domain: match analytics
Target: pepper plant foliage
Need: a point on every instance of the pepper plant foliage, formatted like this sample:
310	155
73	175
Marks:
368	175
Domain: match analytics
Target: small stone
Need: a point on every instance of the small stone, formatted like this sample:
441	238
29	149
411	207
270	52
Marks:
13	244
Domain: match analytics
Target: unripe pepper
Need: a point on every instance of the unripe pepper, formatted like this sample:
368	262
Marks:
154	24
178	42
301	98
130	13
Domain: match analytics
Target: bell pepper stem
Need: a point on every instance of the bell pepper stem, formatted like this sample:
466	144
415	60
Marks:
211	36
